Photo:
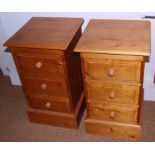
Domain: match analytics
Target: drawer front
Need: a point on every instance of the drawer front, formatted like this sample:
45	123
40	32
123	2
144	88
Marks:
114	113
110	128
48	103
108	69
45	87
51	66
112	92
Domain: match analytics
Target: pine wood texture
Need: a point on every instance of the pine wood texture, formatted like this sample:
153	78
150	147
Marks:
36	62
122	68
113	92
116	100
46	32
49	71
127	37
112	57
48	103
115	129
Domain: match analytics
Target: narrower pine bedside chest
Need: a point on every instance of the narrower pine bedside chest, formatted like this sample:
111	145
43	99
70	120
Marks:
112	56
49	71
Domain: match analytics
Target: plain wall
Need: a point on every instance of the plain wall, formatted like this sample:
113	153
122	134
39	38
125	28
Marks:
11	22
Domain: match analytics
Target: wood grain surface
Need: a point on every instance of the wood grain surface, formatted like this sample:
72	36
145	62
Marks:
49	71
46	32
130	37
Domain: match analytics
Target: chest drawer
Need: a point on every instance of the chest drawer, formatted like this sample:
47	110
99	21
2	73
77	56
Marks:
50	66
112	92
112	69
45	87
48	103
114	113
40	63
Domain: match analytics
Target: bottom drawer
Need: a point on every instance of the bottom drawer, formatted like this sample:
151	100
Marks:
114	113
48	103
115	129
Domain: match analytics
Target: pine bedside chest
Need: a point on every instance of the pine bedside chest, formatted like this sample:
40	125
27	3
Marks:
112	55
50	72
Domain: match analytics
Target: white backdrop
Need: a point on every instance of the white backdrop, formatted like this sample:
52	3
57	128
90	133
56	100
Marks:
11	22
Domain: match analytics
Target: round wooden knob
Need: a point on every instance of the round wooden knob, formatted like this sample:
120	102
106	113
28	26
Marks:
112	95
60	63
38	65
48	105
112	114
110	130
111	73
44	86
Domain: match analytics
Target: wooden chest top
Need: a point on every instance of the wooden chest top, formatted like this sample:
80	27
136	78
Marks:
49	33
130	37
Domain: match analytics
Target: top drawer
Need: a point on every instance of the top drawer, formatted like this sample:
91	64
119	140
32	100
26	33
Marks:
33	63
112	69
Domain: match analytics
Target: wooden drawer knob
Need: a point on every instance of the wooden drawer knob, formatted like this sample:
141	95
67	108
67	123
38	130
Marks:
48	105
38	65
111	73
110	130
43	86
112	95
112	114
60	63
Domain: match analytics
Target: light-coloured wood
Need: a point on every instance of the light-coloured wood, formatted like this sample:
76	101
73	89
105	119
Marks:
140	113
112	57
101	91
46	33
111	69
126	37
115	129
114	112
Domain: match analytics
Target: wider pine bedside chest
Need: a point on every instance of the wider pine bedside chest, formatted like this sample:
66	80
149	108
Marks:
49	71
112	56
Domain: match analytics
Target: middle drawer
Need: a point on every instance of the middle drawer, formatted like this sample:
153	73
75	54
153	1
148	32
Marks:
113	92
45	87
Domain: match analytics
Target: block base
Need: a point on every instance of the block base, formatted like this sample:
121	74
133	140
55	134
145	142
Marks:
68	120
